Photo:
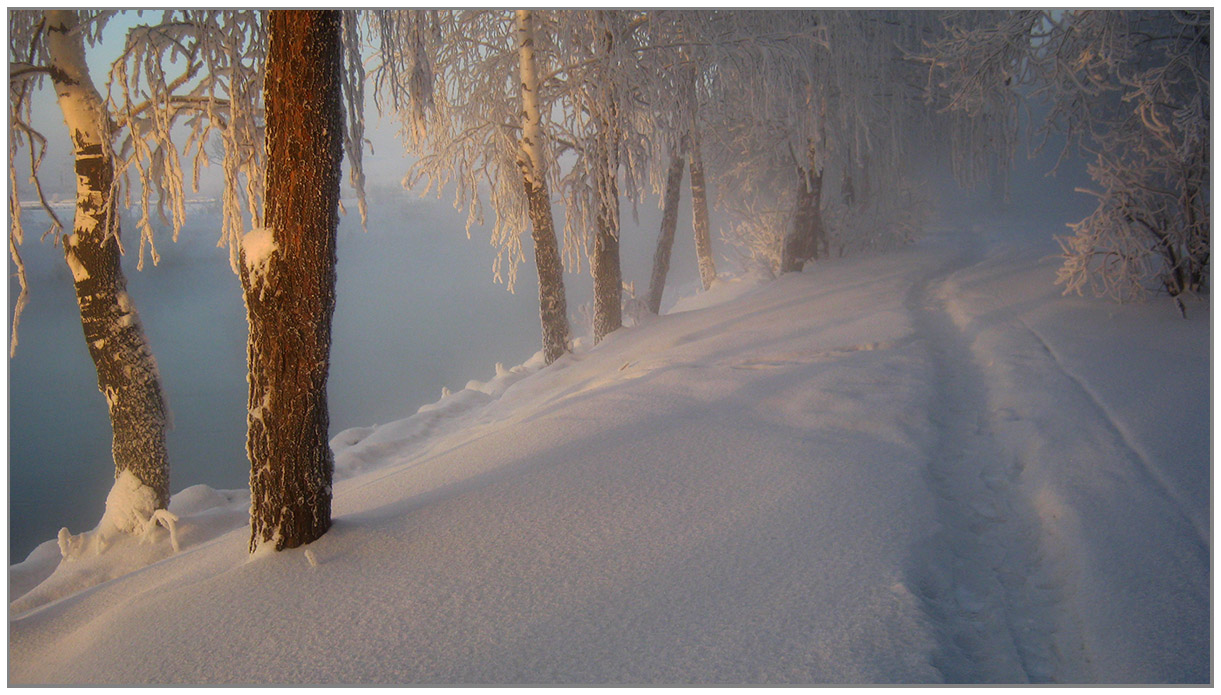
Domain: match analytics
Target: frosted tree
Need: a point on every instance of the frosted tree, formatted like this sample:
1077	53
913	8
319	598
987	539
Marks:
669	225
669	91
187	90
518	92
532	160
51	44
770	120
288	278
1130	90
677	56
193	76
595	49
484	131
815	114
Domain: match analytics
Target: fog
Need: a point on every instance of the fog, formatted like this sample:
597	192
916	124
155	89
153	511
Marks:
417	309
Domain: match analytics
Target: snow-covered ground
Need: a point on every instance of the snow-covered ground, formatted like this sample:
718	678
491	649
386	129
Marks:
925	466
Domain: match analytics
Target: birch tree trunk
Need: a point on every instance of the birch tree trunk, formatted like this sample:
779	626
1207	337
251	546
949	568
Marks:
604	262
553	307
699	189
127	373
669	223
699	212
288	278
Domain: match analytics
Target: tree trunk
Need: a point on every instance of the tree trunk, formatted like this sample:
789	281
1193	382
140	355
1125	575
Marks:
669	223
604	262
127	373
553	307
818	231
798	242
807	238
288	278
699	212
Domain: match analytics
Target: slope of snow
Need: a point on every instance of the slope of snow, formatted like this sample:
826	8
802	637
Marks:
920	467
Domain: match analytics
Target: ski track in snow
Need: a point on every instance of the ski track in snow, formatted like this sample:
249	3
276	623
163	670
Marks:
1151	472
982	578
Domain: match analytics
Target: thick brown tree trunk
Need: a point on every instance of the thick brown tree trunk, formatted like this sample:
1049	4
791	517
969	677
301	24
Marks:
669	223
553	306
127	374
288	275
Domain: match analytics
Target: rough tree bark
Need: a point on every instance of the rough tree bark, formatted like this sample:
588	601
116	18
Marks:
288	278
553	306
604	261
669	223
127	373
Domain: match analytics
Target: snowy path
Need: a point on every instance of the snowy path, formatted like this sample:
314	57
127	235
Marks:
906	468
1075	548
982	576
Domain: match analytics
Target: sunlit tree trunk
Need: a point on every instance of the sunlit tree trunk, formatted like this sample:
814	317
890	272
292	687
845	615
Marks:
127	373
669	223
699	211
604	261
288	277
553	307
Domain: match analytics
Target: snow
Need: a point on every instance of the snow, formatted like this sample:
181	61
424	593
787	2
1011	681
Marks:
920	467
258	246
129	504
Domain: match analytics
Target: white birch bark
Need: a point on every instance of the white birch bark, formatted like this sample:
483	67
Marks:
127	373
553	306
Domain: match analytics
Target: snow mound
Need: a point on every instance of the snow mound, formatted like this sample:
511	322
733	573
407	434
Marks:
130	536
726	287
361	449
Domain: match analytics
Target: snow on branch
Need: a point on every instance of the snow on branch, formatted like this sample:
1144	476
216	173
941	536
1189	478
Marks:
194	77
1129	90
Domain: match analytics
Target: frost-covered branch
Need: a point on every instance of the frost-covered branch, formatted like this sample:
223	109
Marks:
1129	89
163	118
